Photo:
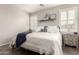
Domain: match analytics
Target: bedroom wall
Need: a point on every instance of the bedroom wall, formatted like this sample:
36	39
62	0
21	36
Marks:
52	10
12	21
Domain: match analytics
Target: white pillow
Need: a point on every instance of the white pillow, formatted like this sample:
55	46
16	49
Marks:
52	29
38	29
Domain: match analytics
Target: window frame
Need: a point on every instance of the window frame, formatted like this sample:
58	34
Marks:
75	20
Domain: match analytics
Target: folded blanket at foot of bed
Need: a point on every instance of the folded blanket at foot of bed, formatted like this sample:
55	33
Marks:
21	38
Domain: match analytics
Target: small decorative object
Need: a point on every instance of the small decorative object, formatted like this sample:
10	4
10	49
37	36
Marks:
75	33
45	28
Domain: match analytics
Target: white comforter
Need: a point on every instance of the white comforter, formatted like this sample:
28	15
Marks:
43	42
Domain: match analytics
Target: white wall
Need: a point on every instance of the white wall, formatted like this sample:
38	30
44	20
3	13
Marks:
33	22
12	21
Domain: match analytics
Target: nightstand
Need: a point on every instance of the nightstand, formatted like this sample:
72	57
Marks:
71	39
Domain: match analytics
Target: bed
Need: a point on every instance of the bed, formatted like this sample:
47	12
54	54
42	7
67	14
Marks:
48	43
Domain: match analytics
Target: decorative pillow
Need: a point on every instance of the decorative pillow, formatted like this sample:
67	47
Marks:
52	29
39	28
42	30
45	28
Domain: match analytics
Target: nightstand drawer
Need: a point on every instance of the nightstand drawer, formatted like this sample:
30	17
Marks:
71	43
68	42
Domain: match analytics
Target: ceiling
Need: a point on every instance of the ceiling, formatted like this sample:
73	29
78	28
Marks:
30	8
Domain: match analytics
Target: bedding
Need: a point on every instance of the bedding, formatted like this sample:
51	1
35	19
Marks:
49	42
38	29
52	29
21	38
44	43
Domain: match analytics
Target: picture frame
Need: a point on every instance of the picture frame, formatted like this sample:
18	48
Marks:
48	17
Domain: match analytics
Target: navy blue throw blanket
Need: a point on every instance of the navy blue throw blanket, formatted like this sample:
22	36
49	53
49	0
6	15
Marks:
21	38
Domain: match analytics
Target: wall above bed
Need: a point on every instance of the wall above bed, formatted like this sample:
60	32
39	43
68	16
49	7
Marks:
41	14
47	19
54	10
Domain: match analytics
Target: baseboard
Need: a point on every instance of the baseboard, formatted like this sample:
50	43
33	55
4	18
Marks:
4	44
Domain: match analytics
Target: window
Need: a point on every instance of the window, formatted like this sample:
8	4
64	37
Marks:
63	18
68	19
